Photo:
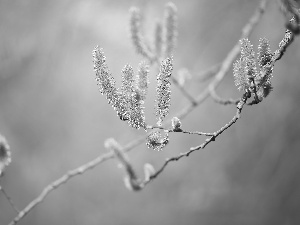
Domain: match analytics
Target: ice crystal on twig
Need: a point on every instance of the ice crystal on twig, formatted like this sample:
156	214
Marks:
163	90
239	72
244	69
127	80
105	81
248	55
106	84
156	142
264	54
136	109
263	79
132	96
127	102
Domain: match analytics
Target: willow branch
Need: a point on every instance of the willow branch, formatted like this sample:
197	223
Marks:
225	66
131	145
204	144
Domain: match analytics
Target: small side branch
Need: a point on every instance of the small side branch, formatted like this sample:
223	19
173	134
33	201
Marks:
208	73
181	131
222	101
240	106
9	199
184	91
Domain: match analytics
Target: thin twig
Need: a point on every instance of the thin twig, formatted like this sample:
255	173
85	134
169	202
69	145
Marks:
222	101
70	174
9	200
194	132
181	131
184	91
202	146
208	73
52	186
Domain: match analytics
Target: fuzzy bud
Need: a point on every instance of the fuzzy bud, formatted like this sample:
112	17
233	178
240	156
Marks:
176	124
156	142
148	171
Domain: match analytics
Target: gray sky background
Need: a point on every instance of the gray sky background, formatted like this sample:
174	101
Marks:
55	119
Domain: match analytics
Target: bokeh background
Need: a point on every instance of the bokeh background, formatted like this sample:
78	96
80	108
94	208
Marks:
55	119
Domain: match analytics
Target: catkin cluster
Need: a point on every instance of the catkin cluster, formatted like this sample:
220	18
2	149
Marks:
128	101
165	34
251	75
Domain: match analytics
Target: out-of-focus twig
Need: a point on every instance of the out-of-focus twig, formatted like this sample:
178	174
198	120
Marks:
208	73
9	199
54	185
184	91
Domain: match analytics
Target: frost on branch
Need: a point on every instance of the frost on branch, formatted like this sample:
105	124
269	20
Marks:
244	69
134	105
264	54
246	75
266	70
5	155
127	102
156	142
105	81
163	90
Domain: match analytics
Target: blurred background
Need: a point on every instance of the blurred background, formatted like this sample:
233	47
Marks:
55	119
